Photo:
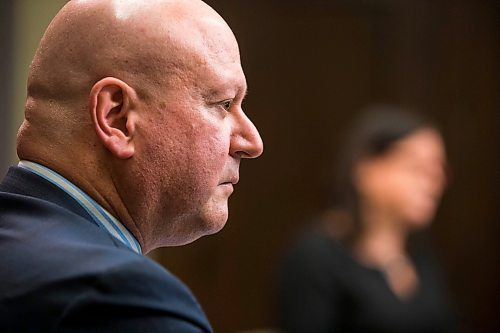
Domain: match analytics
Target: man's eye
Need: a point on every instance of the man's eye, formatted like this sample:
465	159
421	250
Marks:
226	105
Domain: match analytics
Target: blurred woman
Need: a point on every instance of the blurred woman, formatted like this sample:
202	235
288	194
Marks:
355	271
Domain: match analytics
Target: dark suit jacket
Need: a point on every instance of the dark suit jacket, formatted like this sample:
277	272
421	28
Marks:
59	272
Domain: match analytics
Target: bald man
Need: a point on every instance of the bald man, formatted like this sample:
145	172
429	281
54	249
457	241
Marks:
132	140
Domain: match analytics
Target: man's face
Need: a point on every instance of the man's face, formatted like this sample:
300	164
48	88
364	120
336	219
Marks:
194	139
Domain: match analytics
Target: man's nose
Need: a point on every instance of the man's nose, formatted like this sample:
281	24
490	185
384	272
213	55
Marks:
245	138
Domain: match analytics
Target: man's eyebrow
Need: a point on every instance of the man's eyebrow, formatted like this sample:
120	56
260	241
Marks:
219	93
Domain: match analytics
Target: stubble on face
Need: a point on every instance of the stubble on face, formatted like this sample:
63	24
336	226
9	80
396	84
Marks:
186	168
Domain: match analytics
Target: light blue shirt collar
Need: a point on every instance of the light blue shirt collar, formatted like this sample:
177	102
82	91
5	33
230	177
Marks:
100	216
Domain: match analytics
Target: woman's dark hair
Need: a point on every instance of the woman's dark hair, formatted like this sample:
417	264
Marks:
372	134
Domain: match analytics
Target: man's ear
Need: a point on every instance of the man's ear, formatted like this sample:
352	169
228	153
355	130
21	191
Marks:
112	104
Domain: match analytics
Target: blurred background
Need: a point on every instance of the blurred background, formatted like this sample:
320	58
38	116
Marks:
311	65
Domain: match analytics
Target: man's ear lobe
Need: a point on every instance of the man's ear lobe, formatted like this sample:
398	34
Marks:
112	104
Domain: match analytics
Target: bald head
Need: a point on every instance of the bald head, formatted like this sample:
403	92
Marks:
144	43
139	103
149	45
136	41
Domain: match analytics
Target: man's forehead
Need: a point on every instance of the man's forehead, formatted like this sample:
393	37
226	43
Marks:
216	89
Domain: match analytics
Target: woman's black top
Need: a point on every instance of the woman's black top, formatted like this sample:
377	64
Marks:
323	289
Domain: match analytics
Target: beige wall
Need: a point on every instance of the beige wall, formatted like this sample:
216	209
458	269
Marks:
31	19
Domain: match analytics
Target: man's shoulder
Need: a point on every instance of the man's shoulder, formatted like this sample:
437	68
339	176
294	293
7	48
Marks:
59	269
33	229
103	289
65	281
47	243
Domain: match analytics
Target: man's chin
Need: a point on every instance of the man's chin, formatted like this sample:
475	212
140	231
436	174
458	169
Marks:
211	220
214	224
207	228
194	227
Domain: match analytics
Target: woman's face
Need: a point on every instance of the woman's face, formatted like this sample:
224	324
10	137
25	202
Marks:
405	184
